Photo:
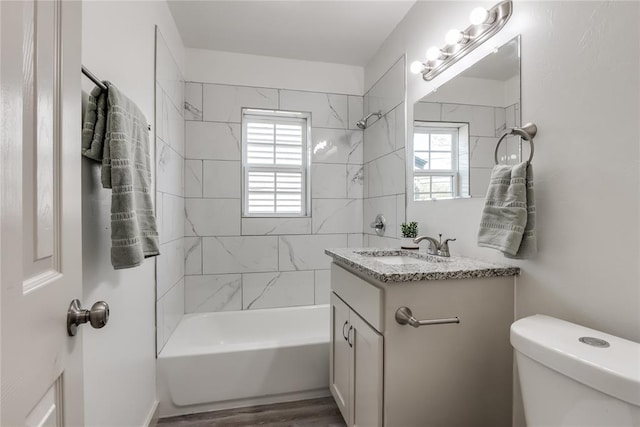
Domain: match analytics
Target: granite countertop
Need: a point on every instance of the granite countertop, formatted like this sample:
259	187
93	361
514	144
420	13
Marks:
366	260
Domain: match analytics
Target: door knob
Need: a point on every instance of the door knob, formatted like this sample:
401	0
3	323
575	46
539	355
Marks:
98	316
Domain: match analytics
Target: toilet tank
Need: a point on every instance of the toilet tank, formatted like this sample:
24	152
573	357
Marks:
575	376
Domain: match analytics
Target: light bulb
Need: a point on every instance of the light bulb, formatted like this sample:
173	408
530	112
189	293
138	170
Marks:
454	36
479	16
416	67
433	53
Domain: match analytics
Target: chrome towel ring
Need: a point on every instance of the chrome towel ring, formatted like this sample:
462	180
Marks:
527	132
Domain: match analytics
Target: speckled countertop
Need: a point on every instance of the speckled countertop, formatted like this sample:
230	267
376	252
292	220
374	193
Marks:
426	267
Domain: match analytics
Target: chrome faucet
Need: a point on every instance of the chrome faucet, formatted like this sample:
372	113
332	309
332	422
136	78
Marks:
436	247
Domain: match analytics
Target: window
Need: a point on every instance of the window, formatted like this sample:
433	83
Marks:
435	162
275	156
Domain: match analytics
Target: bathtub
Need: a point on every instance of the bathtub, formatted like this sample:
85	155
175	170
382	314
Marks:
225	360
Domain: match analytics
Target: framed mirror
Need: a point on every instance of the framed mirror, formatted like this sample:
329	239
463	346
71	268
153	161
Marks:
456	128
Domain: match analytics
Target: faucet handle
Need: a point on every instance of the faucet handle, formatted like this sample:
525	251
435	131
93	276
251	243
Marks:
444	247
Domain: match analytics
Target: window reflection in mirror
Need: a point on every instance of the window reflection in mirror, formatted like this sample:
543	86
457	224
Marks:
456	128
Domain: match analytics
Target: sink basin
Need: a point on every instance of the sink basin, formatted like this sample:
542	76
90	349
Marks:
400	257
399	260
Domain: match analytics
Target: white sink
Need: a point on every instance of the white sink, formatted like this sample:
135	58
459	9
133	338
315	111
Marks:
399	260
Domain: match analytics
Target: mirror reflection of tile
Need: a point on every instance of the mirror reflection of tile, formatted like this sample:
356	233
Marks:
479	104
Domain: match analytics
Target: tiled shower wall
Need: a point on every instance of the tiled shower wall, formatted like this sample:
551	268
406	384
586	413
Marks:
384	157
169	192
236	263
486	125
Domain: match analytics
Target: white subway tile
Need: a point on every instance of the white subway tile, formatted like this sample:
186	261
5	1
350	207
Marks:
172	309
355	240
481	119
427	111
211	293
281	289
327	110
239	254
213	141
172	218
328	181
222	103
193	101
170	265
355	181
212	217
386	175
388	91
275	226
336	146
307	252
193	178
356	110
336	216
192	255
222	179
322	286
169	170
380	137
387	206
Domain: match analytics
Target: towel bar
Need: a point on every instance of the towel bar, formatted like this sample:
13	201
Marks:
527	132
97	82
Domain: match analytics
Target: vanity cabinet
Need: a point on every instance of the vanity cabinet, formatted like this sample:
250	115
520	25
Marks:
356	366
385	374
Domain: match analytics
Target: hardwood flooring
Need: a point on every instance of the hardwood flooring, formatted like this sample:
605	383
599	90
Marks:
304	413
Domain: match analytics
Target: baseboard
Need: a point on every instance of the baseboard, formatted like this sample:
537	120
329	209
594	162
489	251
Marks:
153	415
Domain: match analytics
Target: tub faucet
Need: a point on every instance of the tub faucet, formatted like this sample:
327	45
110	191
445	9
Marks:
436	247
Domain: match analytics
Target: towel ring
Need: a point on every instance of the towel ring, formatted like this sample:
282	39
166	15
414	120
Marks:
527	132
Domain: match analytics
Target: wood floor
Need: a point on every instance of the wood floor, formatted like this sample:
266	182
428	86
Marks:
305	413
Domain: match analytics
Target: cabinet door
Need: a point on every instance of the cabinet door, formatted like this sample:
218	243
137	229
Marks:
340	357
366	374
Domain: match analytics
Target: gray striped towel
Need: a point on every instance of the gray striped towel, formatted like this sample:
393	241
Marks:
115	132
508	217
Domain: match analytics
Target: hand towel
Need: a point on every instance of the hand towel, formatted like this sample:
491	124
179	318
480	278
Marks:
115	132
508	217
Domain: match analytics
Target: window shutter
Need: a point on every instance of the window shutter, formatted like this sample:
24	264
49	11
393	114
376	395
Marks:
275	152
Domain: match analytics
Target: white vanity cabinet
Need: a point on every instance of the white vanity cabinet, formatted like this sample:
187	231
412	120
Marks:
356	366
384	374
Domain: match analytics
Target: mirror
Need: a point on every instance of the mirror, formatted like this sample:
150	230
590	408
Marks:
457	128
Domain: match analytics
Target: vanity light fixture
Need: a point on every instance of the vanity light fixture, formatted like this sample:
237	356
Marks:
484	24
455	36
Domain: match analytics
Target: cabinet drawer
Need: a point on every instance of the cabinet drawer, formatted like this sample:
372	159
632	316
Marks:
364	298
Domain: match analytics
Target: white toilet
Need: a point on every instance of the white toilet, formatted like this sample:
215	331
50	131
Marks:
575	376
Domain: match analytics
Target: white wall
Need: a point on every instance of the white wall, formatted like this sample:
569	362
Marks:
118	45
580	86
211	66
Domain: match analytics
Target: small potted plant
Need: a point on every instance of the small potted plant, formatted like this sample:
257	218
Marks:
409	232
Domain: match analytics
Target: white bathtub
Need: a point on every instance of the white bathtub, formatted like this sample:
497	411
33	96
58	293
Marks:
232	359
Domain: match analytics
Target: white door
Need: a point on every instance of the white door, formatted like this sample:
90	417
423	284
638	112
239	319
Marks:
40	212
367	354
340	356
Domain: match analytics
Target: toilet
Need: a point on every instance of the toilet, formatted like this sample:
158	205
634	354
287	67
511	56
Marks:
575	376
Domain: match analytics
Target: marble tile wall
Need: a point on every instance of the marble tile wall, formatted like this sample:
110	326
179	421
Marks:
486	124
170	192
384	157
236	263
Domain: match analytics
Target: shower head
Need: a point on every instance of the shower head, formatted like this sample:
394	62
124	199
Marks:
362	124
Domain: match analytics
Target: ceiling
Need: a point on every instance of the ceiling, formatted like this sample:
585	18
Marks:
338	31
